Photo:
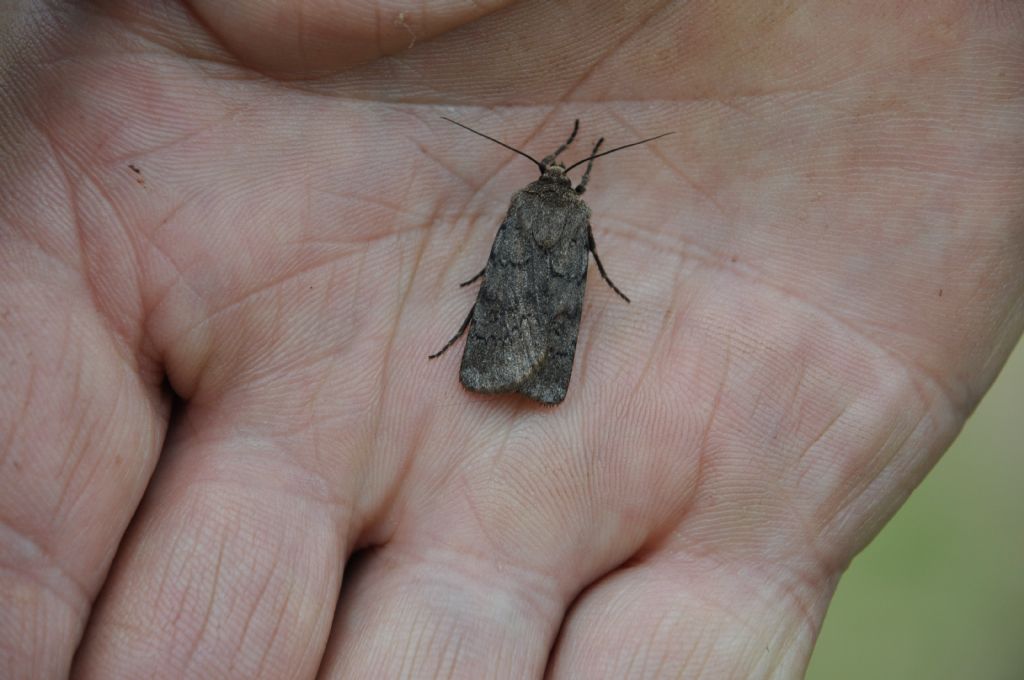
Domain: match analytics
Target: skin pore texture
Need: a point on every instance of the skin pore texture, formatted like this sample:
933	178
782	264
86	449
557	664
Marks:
230	233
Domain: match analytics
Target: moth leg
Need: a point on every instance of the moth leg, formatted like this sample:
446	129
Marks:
586	175
551	159
592	247
462	329
466	283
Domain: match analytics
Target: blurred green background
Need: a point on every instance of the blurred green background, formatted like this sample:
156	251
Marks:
940	592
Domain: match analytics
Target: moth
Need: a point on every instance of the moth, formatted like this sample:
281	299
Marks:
524	324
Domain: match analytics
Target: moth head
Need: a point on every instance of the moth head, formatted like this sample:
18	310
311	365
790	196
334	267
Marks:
555	174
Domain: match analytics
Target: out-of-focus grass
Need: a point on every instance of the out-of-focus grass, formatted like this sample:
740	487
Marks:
939	594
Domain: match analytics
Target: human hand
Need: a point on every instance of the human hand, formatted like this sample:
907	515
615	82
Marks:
268	218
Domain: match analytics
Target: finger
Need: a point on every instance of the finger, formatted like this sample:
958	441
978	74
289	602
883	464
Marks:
427	611
234	562
81	432
82	417
694	616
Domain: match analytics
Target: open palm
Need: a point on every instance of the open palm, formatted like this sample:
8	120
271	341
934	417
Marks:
258	211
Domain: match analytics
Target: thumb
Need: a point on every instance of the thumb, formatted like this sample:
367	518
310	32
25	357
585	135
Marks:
289	37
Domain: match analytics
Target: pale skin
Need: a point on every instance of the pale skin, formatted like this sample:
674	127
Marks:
249	206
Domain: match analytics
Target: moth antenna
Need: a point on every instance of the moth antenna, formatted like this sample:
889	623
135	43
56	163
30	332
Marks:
552	157
510	148
590	166
618	148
